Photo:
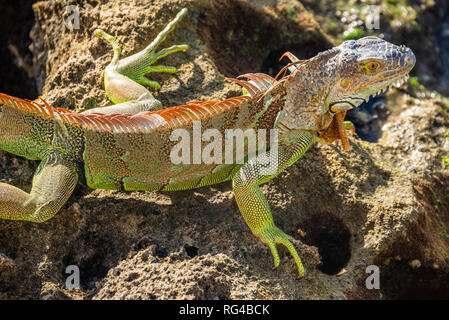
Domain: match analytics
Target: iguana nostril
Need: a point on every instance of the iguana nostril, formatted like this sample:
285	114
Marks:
409	59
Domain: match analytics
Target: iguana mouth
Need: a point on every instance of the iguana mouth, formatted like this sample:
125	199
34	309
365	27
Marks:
400	79
382	85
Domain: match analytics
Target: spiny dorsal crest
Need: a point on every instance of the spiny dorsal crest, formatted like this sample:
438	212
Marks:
127	123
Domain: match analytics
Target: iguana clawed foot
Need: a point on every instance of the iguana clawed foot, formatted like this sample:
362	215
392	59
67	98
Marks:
138	65
272	235
124	79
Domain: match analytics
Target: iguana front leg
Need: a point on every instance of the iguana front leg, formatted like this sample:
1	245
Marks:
252	203
125	79
53	183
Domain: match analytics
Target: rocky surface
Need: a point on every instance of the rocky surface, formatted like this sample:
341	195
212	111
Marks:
383	202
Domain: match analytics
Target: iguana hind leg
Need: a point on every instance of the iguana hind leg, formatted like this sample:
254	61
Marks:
252	203
53	183
125	79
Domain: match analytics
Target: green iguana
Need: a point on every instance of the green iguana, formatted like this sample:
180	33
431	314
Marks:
127	146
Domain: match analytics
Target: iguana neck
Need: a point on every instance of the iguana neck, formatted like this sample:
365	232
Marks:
306	90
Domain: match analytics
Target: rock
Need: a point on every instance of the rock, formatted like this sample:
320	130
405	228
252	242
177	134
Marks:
415	264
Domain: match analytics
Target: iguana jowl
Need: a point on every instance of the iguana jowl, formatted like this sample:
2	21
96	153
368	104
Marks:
126	146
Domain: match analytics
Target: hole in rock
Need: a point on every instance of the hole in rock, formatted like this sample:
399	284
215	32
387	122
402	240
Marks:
399	281
332	238
191	251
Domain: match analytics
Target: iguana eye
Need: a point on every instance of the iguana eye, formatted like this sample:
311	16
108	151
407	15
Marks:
371	66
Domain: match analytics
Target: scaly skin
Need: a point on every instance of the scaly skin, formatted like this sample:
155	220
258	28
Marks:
127	146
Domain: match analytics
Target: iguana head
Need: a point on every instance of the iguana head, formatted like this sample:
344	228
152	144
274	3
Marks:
366	67
339	79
